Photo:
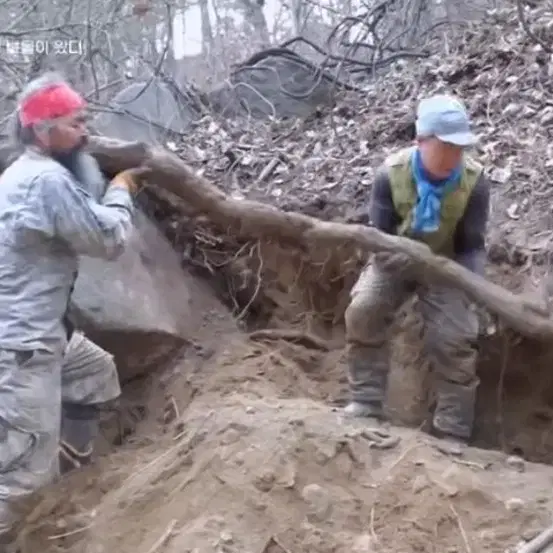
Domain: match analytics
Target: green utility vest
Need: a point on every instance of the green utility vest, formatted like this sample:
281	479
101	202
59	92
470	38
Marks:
404	196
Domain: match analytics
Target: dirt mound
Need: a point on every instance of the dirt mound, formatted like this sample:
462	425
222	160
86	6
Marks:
254	462
240	450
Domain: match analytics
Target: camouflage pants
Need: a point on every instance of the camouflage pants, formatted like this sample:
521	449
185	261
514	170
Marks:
33	385
451	331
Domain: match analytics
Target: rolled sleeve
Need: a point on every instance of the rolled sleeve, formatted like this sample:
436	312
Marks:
382	212
470	234
96	229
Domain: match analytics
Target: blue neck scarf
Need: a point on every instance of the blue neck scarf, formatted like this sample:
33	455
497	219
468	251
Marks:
427	211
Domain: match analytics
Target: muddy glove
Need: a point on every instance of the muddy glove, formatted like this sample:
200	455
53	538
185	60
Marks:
131	179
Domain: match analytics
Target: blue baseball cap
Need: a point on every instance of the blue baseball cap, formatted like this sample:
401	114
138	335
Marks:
446	118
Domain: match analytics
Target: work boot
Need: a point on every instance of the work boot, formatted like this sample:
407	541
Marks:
368	379
79	430
454	413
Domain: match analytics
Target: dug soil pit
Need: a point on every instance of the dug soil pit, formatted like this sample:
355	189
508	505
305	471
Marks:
241	450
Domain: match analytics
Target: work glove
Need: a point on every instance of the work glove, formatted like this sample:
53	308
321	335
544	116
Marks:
131	179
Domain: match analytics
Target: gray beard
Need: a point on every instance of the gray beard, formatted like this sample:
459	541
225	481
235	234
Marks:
86	171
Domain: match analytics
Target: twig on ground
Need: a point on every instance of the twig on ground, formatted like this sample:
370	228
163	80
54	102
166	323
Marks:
372	531
164	538
71	532
461	528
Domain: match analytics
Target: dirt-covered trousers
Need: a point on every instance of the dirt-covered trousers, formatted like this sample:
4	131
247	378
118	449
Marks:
33	385
451	332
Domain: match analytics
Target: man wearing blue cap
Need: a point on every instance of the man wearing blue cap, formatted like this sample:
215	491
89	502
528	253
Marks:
434	193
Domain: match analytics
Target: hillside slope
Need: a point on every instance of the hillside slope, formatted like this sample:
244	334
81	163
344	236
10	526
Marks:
325	165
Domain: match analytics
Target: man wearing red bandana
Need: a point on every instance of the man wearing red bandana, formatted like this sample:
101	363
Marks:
54	207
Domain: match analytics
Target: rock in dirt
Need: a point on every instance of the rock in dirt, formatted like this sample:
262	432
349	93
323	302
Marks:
273	83
514	504
365	543
135	306
147	111
318	501
516	463
420	483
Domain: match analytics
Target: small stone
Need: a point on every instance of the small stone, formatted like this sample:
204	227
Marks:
326	450
239	459
257	504
514	504
344	465
321	458
231	436
364	544
420	483
530	533
287	477
448	480
226	538
516	463
250	410
217	521
487	535
318	501
265	481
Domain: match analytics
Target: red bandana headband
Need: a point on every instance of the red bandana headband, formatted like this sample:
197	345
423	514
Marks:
56	101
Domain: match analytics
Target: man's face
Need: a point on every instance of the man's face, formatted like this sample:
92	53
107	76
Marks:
439	158
68	135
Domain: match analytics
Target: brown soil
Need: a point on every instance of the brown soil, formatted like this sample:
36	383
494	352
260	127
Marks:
241	450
